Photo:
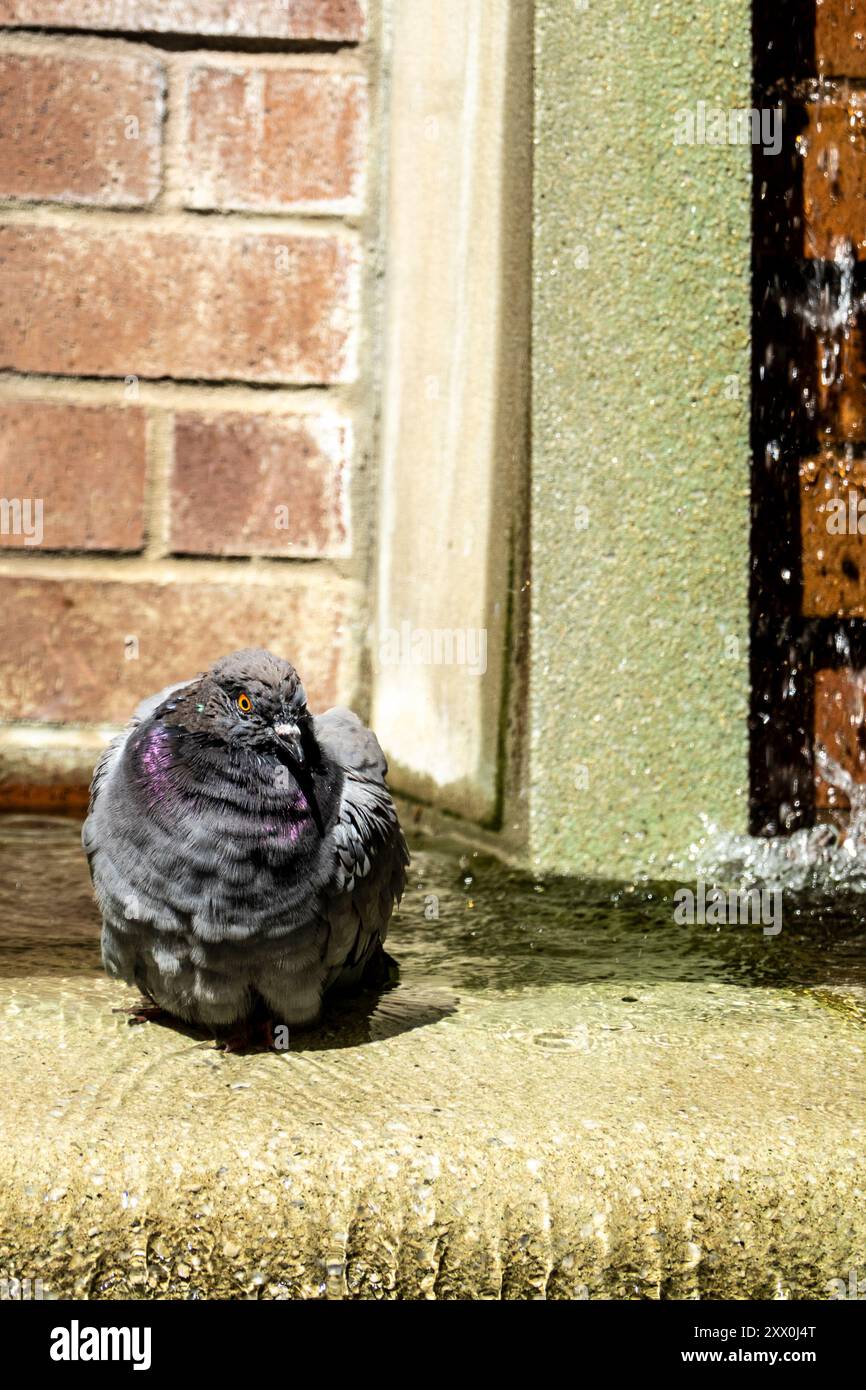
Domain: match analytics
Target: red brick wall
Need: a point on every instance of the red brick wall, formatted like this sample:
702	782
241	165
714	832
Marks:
809	639
183	239
833	143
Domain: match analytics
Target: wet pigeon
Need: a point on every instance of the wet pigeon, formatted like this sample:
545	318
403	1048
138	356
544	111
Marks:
245	854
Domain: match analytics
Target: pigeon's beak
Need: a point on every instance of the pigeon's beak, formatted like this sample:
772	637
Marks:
290	749
288	738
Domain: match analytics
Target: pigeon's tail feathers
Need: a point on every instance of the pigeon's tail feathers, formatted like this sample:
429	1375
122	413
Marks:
375	969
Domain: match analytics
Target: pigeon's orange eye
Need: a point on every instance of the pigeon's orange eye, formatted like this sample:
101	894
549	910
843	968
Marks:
245	704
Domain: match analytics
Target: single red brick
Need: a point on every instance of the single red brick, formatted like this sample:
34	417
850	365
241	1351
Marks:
328	20
832	511
259	485
76	650
840	38
81	129
839	727
271	139
841	384
245	306
833	145
81	469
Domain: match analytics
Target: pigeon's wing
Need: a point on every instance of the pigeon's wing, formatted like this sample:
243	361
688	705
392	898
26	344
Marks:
369	852
109	759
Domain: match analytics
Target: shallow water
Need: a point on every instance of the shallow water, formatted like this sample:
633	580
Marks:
564	1094
468	923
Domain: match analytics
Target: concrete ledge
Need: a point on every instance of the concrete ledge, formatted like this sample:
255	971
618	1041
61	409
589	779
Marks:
565	1096
558	1142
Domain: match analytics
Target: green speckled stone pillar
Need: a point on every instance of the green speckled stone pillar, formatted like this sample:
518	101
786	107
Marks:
640	472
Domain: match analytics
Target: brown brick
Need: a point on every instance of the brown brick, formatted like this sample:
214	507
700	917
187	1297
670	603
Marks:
80	130
840	38
328	20
841	384
259	485
833	146
832	511
275	140
63	643
840	729
245	306
86	464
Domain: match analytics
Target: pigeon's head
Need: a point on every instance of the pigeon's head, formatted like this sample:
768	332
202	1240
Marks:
256	700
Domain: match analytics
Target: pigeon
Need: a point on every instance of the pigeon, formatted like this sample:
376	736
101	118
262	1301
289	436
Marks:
246	855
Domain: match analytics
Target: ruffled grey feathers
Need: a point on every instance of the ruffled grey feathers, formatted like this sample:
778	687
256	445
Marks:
240	855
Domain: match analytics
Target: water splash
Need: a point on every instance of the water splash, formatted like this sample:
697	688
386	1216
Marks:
820	859
828	307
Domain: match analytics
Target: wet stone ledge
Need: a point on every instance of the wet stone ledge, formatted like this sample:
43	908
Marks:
565	1096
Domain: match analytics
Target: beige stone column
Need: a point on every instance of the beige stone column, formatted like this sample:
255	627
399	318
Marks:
454	398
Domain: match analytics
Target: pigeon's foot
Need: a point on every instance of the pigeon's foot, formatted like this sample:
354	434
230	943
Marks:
146	1012
255	1035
